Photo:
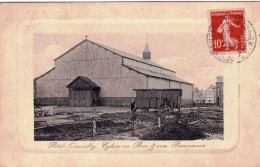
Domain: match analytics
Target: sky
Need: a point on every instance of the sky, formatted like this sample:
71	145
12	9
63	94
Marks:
175	32
192	63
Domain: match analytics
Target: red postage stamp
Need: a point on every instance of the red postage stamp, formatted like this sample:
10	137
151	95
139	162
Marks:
228	31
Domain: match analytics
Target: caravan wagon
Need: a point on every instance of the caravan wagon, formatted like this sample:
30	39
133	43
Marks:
158	98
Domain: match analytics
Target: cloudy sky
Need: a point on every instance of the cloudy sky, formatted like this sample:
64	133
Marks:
176	34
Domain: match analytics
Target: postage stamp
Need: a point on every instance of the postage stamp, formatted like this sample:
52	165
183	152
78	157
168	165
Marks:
228	33
230	38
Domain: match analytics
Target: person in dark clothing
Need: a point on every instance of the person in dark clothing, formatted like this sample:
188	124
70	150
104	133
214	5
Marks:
133	116
133	105
133	110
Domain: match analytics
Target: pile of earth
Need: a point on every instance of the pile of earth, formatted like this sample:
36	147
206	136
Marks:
175	131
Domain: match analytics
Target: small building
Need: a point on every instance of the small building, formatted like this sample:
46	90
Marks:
91	73
219	91
198	96
210	95
83	92
158	98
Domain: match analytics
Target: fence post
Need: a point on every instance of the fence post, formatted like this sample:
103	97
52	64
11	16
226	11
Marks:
159	118
178	114
134	126
94	130
159	122
134	117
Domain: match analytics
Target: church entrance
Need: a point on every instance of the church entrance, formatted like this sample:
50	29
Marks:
83	92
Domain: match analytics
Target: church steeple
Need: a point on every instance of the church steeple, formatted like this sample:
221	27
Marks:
146	52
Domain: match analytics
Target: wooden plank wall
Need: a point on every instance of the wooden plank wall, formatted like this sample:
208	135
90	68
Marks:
157	83
98	64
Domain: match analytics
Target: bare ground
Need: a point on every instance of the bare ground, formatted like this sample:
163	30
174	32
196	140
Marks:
116	124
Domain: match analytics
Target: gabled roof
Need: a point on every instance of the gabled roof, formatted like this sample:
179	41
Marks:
45	73
70	49
87	80
156	75
120	53
130	56
210	87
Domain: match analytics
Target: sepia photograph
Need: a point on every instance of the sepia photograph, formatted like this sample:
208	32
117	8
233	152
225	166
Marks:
98	92
143	83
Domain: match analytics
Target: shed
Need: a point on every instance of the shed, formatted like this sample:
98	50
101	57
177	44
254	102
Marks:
83	92
157	98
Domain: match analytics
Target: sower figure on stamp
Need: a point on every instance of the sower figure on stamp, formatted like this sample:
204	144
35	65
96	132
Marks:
224	29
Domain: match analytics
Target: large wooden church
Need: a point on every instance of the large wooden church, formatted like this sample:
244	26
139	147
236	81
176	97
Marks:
94	73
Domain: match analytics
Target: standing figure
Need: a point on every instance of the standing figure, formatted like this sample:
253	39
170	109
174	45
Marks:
224	29
133	105
133	111
133	116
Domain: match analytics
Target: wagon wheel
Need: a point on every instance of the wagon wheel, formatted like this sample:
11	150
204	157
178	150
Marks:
165	107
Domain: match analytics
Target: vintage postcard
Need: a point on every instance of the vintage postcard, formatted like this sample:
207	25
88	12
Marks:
129	84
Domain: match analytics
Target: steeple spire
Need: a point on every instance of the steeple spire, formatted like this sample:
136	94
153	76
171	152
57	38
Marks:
146	52
146	49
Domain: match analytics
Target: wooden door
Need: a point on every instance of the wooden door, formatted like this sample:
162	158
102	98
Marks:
71	98
85	98
76	98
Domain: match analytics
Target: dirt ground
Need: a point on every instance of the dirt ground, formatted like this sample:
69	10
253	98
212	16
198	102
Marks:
116	123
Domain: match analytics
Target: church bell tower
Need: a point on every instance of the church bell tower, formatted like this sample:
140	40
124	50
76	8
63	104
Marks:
146	52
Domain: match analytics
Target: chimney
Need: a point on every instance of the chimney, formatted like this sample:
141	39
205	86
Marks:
146	52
